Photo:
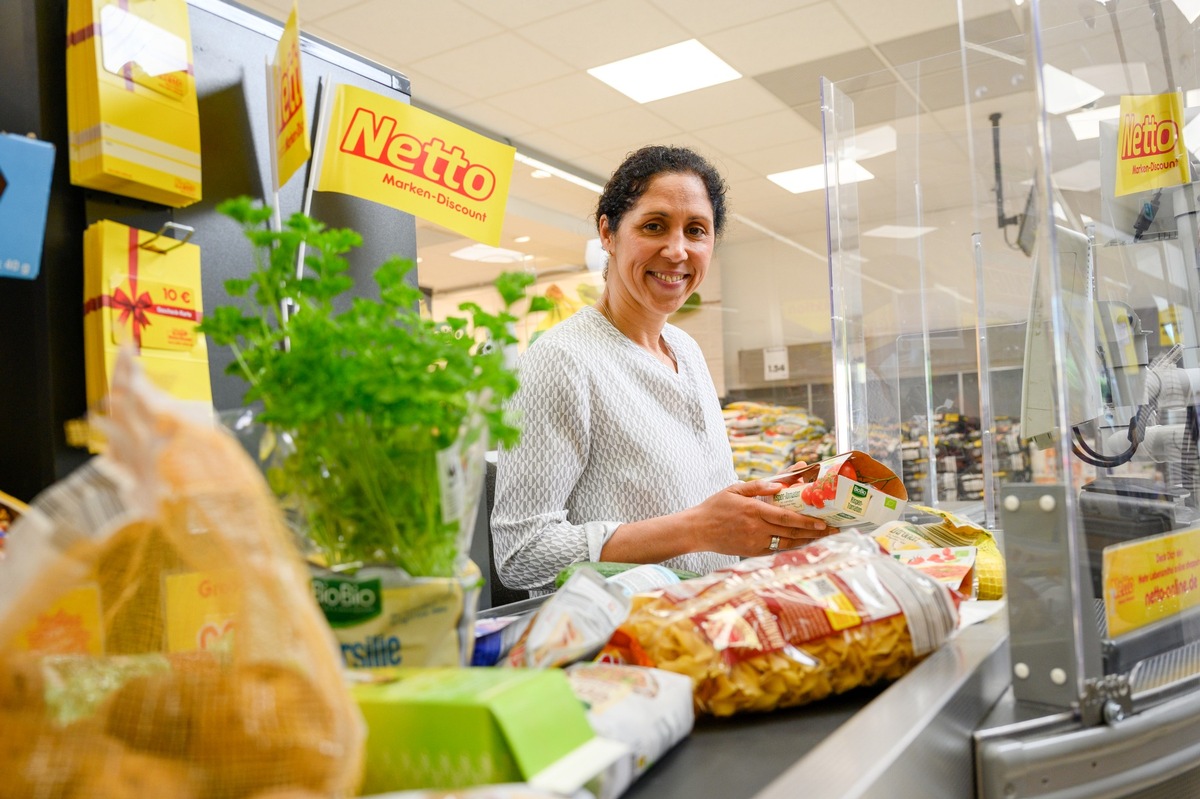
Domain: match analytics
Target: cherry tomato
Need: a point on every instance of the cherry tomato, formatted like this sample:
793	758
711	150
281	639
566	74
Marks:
848	470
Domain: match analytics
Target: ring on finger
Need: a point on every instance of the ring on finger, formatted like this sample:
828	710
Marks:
774	545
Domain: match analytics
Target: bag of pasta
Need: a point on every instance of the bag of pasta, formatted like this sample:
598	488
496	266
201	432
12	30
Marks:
789	628
158	636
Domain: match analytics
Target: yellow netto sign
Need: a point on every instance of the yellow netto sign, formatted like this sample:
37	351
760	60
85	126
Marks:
385	150
1150	151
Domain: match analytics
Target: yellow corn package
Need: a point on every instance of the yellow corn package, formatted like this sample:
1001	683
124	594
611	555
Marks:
143	291
131	100
790	628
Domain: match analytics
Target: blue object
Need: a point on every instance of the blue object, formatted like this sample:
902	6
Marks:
26	166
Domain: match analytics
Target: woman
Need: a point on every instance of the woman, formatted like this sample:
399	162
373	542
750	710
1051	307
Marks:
624	455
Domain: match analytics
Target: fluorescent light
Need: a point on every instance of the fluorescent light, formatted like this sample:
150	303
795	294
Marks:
811	178
520	239
558	173
1065	92
1189	8
1086	124
666	72
540	174
898	232
488	255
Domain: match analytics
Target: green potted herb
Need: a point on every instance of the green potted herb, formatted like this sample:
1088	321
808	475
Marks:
388	413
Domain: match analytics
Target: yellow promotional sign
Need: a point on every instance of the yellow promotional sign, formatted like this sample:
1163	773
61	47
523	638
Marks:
1150	150
386	151
292	149
1150	579
201	607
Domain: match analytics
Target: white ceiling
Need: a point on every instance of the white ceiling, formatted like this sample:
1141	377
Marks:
516	69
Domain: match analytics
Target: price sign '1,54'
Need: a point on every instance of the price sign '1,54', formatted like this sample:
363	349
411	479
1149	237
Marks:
775	363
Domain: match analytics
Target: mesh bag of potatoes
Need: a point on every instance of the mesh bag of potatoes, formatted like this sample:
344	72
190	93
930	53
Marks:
789	628
158	636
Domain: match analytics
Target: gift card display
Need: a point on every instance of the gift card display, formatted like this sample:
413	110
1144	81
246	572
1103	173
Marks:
131	99
142	290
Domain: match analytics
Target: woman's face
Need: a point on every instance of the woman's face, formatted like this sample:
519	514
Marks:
660	253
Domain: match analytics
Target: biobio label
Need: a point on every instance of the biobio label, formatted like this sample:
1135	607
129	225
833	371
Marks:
346	601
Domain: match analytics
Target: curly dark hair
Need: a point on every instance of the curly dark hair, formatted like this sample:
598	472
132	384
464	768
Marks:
634	175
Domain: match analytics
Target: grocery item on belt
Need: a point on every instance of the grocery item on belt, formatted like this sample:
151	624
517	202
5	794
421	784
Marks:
608	568
509	791
848	490
650	710
952	566
954	531
789	628
573	623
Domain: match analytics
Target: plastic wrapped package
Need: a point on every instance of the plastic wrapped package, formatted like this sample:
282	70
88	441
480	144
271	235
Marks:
789	628
160	637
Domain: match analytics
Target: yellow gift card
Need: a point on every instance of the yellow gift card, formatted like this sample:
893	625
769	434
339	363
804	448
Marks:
384	150
143	290
131	101
1150	149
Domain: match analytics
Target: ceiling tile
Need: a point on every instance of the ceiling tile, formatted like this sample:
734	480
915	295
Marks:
497	121
429	92
554	144
487	67
920	46
603	32
768	130
733	100
769	44
800	84
884	21
629	127
565	99
792	155
701	17
515	14
411	30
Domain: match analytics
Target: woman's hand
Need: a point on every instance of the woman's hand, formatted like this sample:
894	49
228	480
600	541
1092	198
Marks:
735	522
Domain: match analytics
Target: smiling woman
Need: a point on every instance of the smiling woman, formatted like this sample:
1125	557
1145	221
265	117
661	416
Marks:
623	455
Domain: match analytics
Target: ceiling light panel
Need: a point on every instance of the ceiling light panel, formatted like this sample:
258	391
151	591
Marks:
812	178
898	232
666	72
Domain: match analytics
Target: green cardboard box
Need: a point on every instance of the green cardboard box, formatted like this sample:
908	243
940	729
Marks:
457	727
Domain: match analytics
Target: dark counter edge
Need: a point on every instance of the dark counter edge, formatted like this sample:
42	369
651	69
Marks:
915	738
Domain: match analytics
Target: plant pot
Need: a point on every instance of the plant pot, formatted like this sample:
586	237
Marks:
386	528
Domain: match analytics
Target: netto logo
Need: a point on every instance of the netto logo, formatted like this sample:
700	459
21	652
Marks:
1147	138
378	140
346	601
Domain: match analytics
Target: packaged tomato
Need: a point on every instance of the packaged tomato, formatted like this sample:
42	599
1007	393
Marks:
848	490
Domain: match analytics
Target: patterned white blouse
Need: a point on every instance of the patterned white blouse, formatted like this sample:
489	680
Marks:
610	435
